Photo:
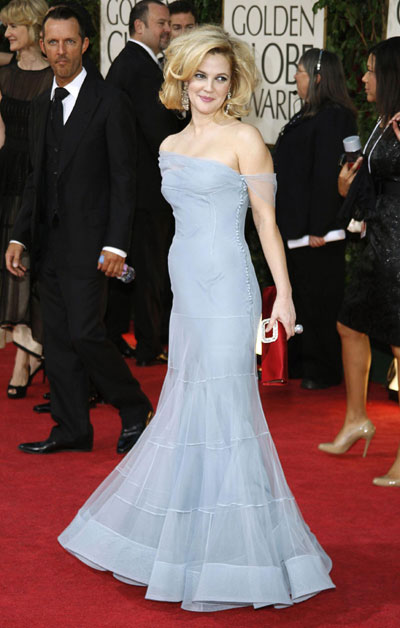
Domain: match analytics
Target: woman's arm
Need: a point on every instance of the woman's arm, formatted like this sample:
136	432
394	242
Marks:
254	158
5	58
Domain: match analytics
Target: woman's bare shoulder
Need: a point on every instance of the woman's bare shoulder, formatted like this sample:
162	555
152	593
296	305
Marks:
253	154
170	142
248	133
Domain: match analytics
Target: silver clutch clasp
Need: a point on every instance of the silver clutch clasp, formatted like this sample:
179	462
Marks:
267	339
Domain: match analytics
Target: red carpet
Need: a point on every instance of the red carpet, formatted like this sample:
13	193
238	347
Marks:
357	523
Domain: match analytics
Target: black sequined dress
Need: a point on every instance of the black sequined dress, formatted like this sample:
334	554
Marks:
18	87
372	299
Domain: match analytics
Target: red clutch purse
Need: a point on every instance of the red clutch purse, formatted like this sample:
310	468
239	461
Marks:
274	360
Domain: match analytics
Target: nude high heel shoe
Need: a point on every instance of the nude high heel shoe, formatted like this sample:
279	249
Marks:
365	430
384	480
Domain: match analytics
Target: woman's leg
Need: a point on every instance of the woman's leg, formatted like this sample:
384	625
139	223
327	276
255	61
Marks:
21	371
356	355
28	358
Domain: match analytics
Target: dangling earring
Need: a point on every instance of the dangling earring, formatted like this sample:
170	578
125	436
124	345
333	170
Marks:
228	104
185	97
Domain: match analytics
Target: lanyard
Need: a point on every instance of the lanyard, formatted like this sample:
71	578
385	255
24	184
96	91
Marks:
374	146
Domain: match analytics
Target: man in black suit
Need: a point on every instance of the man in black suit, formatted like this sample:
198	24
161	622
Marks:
137	72
78	204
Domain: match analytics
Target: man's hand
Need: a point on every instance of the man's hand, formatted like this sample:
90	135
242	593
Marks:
346	176
13	259
112	265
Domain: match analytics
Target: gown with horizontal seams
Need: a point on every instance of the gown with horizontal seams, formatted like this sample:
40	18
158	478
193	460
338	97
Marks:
199	510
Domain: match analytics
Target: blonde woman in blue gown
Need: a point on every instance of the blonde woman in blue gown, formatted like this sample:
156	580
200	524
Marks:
199	511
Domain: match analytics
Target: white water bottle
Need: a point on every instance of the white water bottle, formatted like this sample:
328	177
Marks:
128	272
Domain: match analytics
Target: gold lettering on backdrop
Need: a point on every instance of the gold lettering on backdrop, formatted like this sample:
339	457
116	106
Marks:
275	21
279	33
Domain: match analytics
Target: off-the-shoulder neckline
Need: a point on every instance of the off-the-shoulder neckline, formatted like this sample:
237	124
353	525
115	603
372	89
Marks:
216	161
213	161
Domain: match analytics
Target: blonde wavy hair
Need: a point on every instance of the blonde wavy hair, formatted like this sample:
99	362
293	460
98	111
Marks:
29	13
185	54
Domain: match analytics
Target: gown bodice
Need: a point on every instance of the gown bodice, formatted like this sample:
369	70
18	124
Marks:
210	201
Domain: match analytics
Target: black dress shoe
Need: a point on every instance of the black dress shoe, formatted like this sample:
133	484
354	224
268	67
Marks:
130	435
46	395
161	358
41	408
51	446
123	347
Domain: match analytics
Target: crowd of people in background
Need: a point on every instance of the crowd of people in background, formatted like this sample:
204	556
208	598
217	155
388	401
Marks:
309	209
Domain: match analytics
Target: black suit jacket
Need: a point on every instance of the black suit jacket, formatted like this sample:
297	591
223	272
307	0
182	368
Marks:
95	184
136	73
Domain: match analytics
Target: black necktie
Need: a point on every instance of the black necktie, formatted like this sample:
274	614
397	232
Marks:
57	113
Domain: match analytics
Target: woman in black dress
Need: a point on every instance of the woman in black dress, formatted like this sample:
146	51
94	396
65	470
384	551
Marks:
20	81
371	306
306	161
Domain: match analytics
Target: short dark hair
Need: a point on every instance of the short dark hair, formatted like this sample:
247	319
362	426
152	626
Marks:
181	6
331	88
140	12
82	11
387	71
63	12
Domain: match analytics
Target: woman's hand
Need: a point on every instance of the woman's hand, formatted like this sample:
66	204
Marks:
395	121
316	241
346	176
284	312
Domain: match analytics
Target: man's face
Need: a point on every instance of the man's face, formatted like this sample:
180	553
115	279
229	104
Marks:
156	34
63	47
181	23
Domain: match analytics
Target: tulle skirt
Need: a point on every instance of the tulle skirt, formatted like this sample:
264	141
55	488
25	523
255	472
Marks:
199	511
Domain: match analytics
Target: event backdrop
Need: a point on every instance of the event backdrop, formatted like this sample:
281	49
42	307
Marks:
114	18
279	31
393	24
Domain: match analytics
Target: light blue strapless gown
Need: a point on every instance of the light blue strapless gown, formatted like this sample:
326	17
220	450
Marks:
199	510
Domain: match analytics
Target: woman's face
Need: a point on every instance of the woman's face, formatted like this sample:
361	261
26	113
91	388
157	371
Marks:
209	86
17	35
302	81
369	79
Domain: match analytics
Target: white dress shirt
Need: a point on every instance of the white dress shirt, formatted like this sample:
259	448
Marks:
74	87
68	104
